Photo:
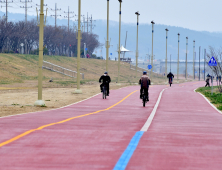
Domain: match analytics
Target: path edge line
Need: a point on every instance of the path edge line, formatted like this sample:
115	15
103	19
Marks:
150	118
60	122
208	101
59	107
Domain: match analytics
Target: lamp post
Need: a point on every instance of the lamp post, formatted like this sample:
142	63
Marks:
193	58
120	3
166	52
40	102
138	14
78	90
152	22
178	61
107	41
186	56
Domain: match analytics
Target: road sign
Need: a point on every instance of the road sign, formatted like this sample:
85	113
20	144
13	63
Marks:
86	49
212	62
203	71
195	71
111	53
149	67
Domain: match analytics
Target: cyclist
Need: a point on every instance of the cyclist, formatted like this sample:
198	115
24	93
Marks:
106	80
170	76
145	82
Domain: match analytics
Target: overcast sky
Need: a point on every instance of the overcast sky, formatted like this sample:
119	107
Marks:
200	15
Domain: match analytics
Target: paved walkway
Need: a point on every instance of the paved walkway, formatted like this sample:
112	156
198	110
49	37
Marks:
94	134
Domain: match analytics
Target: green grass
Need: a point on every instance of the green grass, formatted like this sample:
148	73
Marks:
66	83
215	98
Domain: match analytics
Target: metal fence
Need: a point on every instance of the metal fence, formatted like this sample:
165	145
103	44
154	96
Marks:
61	70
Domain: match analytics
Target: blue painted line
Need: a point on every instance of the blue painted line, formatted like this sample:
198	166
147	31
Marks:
127	154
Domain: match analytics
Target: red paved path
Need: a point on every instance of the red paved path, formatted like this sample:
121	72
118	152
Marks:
185	134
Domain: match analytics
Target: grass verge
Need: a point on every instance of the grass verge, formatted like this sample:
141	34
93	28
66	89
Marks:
215	98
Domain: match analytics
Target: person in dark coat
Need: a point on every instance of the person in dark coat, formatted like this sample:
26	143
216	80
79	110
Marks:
170	76
208	80
105	79
145	83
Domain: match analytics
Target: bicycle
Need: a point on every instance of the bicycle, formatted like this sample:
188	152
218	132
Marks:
104	92
144	99
170	81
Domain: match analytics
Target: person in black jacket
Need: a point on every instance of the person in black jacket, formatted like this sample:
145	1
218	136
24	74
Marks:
170	76
105	81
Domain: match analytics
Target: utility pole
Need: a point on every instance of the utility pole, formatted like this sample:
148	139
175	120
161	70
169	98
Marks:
193	57
204	62
40	102
199	62
56	9
152	22
26	8
166	53
92	26
186	56
107	40
78	90
120	3
138	14
68	16
6	5
178	61
170	62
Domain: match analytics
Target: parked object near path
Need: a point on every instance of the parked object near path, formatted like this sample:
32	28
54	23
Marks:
51	80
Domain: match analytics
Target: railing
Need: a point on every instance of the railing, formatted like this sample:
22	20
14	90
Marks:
59	69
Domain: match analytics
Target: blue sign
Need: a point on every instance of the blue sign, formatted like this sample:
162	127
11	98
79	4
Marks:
203	71
212	62
111	53
195	71
149	67
86	49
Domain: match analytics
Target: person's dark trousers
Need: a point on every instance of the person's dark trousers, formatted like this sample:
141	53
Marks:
107	88
208	84
145	91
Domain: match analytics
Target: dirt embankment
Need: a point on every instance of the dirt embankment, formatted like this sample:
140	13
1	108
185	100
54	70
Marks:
21	100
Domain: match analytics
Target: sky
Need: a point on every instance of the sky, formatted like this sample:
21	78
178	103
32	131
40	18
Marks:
199	15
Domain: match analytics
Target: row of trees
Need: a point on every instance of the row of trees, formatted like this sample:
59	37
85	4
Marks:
57	41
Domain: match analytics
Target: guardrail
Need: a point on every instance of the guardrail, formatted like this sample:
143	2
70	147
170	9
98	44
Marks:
67	72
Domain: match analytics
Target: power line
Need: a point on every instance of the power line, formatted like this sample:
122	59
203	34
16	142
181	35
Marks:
26	7
6	5
92	26
56	9
68	16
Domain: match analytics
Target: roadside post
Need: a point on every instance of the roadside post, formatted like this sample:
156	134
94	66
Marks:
212	63
149	67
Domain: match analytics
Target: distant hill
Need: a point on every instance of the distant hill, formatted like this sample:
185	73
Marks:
203	39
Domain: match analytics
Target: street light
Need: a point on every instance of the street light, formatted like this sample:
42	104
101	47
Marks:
152	22
107	41
178	61
78	90
40	102
120	2
166	51
138	14
193	58
186	56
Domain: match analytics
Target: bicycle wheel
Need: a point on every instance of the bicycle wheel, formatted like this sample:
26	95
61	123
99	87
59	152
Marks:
103	92
144	101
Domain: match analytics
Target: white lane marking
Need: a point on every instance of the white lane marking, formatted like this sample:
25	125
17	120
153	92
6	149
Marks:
149	120
208	102
51	109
